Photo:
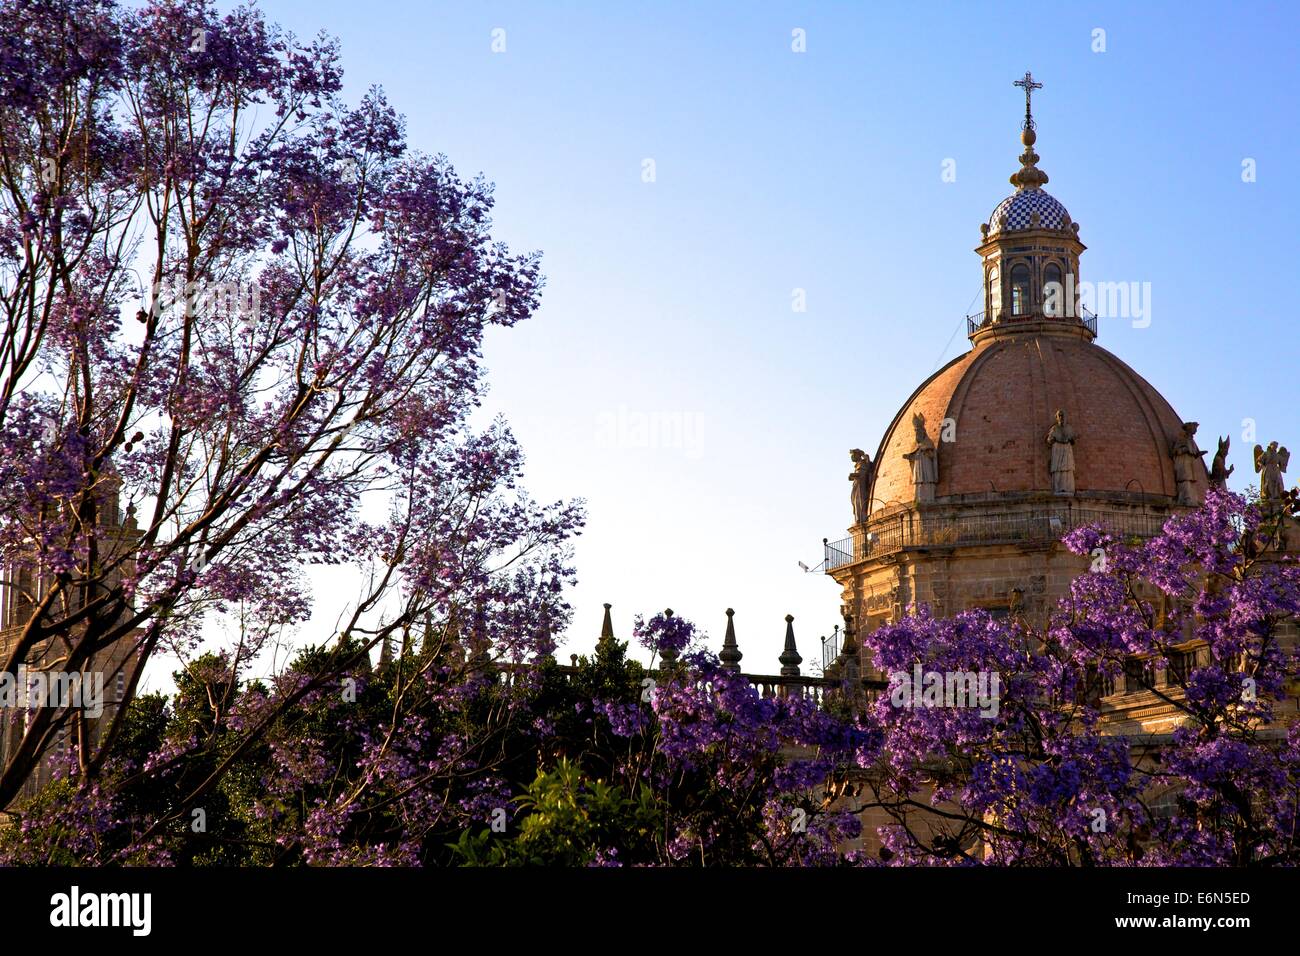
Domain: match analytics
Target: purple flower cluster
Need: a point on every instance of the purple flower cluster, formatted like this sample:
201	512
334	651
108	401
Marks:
663	633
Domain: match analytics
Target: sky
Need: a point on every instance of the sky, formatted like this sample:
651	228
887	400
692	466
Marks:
692	179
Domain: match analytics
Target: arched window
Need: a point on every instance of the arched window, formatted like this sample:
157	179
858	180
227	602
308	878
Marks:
995	295
1020	289
1053	291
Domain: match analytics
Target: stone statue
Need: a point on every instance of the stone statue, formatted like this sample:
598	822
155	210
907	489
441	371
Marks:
1270	462
1220	470
925	462
1186	455
861	481
1061	437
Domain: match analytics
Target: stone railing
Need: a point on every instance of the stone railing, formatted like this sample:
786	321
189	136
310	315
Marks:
790	682
817	689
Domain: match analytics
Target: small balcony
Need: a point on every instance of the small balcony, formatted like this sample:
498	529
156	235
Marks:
981	320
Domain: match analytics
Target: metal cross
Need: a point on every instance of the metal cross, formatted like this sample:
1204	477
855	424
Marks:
1028	85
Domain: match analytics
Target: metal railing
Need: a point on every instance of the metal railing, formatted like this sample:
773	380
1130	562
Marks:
839	553
979	320
830	649
911	529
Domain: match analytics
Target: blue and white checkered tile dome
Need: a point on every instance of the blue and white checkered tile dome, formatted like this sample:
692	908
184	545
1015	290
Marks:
1020	207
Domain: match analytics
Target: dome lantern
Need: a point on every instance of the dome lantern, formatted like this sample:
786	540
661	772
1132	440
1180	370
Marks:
1030	252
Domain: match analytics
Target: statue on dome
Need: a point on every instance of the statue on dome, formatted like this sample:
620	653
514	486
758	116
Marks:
861	481
1186	455
1220	470
925	462
1061	438
1270	463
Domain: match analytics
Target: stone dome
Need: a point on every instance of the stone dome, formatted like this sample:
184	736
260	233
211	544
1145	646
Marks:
1017	212
1002	398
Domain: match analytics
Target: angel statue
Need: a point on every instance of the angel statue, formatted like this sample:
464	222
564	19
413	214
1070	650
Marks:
1270	463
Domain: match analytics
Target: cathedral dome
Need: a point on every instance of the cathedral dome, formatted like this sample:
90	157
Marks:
1016	212
988	413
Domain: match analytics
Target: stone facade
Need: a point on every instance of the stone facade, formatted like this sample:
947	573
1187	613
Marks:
110	671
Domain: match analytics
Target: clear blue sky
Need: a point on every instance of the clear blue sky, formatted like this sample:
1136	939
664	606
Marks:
821	171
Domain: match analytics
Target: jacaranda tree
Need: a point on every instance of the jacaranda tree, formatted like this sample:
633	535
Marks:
1048	780
241	336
